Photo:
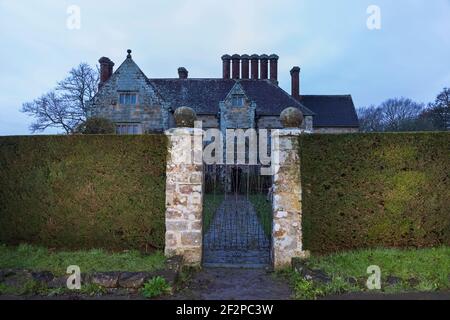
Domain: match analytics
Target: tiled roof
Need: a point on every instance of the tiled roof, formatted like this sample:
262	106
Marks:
204	95
332	111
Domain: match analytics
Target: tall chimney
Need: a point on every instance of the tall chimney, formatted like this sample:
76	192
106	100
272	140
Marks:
236	59
245	66
182	73
274	68
106	70
226	66
264	66
254	66
295	76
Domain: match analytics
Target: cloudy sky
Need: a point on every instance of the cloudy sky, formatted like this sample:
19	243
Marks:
408	56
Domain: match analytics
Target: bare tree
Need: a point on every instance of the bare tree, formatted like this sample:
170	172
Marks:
439	110
370	119
66	106
398	113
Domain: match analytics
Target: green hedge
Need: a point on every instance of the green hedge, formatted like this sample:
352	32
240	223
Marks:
375	190
80	192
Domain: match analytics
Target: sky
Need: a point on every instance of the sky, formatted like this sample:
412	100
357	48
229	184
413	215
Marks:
330	40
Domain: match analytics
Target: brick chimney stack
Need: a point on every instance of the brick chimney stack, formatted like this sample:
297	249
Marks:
264	65
182	73
245	59
295	78
254	66
274	68
106	70
236	59
226	66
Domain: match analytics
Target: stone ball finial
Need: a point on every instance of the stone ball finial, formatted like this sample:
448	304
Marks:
185	117
129	53
291	118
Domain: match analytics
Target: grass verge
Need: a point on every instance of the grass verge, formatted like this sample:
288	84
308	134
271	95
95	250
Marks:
211	203
264	212
409	270
41	259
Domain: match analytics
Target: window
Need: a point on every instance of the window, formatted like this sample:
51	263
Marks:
128	128
237	101
129	99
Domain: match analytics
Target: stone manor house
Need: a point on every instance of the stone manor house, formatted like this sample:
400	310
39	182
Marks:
246	96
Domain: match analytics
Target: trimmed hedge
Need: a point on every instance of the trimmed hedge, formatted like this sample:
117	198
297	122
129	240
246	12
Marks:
82	192
375	190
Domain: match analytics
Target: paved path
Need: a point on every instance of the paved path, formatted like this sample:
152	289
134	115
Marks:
236	237
235	284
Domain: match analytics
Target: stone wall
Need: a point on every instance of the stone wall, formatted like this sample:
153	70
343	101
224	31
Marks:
208	121
287	199
273	122
336	130
184	195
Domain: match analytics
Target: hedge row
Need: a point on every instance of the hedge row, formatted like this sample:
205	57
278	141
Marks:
81	192
375	190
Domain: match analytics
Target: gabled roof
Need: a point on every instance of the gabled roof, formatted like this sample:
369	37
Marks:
204	95
270	99
332	111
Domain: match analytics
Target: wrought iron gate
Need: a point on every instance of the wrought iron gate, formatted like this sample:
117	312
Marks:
237	216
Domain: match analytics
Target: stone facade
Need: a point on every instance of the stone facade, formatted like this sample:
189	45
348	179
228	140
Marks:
213	100
184	195
336	130
150	112
287	199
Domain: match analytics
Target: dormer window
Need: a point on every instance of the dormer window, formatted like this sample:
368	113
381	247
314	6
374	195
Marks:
237	100
128	99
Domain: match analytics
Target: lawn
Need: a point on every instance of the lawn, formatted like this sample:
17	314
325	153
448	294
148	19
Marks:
414	269
264	211
211	203
42	259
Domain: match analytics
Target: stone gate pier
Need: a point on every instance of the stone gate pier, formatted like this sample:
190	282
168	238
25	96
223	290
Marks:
184	191
287	191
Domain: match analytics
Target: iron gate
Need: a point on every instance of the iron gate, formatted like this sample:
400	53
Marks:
237	216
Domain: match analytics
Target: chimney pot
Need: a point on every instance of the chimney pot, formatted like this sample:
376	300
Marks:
295	80
245	66
182	73
254	66
106	70
236	59
274	68
264	66
226	66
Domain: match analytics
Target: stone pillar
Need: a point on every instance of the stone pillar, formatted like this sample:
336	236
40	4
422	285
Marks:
287	198
184	195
